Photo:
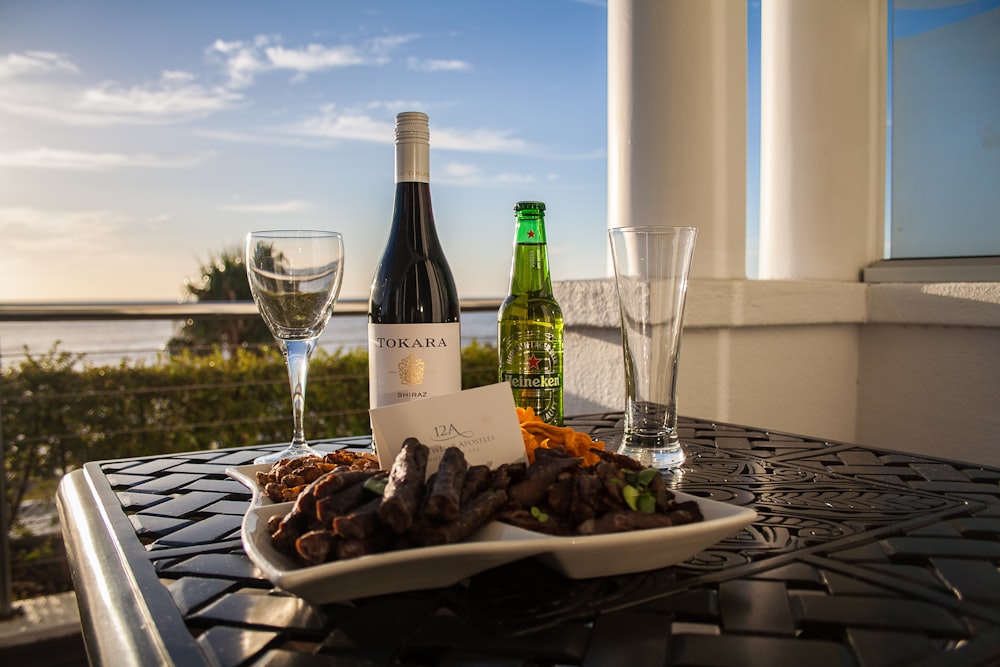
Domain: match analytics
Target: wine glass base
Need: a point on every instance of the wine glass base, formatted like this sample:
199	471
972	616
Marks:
290	452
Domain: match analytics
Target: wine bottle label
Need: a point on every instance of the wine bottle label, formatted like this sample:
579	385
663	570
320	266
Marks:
533	366
411	361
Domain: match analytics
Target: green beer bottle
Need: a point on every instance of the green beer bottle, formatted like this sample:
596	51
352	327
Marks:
530	322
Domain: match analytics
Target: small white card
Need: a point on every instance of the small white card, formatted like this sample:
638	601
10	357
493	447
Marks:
482	422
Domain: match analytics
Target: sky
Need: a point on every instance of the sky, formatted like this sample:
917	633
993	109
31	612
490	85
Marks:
139	140
945	132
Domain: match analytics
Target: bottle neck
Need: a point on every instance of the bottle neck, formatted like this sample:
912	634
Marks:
530	230
413	162
413	216
529	272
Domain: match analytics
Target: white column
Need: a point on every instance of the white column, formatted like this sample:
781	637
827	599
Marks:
677	123
823	116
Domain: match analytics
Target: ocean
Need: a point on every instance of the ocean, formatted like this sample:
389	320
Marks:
109	342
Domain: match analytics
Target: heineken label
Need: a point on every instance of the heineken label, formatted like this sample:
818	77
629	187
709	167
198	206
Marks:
533	367
534	381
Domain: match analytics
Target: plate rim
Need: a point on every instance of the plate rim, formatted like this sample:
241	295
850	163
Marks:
726	519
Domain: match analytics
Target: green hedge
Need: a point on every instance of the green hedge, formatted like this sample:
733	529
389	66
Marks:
58	411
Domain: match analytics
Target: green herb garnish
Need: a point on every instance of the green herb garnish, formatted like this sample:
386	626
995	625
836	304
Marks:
539	515
375	485
636	493
631	496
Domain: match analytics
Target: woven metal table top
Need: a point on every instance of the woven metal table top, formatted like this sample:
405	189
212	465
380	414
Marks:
860	557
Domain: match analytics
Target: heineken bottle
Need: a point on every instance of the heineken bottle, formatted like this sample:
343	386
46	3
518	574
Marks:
530	322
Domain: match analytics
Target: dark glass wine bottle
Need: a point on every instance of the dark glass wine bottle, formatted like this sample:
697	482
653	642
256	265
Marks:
414	335
530	321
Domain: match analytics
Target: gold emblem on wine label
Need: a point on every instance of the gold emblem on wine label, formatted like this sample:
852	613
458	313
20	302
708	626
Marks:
411	370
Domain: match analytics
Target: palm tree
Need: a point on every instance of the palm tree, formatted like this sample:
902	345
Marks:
224	278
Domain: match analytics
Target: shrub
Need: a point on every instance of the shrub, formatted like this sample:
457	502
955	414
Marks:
59	412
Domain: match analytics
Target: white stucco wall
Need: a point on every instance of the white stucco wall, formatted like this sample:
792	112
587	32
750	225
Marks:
884	365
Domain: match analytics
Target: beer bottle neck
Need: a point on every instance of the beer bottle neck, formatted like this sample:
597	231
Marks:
529	272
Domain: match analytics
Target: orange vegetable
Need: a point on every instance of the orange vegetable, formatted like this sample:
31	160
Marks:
536	433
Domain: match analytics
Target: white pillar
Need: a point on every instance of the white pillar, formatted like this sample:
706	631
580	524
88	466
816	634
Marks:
677	123
823	113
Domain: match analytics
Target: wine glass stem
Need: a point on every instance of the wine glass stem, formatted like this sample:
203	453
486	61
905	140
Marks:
297	353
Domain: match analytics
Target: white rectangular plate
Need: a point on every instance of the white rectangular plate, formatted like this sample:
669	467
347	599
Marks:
494	544
247	476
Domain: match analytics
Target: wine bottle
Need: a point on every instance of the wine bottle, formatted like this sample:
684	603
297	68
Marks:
530	321
414	334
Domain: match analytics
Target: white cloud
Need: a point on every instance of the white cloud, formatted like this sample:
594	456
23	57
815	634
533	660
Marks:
314	57
396	106
178	75
435	65
54	158
178	95
332	124
39	231
34	62
509	178
268	137
289	206
461	170
172	97
244	60
175	97
482	140
224	47
471	175
241	61
360	125
383	45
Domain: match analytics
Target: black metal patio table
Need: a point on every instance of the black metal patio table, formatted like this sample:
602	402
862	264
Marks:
860	557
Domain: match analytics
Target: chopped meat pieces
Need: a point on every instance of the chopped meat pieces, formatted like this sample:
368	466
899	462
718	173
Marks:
405	487
445	494
353	509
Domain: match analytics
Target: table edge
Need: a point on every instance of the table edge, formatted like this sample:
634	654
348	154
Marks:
119	626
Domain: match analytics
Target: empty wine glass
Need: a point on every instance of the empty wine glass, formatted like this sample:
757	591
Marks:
295	279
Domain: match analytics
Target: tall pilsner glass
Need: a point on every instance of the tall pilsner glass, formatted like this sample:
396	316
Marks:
651	274
295	279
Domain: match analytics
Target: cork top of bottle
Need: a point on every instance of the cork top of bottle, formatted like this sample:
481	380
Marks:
412	127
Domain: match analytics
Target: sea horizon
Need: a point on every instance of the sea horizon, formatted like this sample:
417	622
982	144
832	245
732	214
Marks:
109	342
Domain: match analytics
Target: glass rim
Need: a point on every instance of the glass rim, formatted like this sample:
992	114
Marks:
292	233
651	228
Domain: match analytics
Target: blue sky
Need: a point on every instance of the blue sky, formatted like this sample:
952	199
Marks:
945	108
137	139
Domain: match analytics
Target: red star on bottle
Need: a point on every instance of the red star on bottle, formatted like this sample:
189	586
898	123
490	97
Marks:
531	234
533	362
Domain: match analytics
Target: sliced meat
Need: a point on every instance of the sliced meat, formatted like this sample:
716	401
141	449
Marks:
444	496
532	489
363	521
341	502
339	478
477	478
403	491
316	546
476	513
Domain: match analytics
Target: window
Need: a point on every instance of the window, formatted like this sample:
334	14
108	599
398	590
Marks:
944	105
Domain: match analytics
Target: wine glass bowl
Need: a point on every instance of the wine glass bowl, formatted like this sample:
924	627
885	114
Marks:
295	278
